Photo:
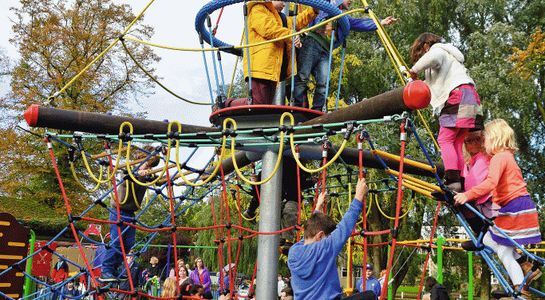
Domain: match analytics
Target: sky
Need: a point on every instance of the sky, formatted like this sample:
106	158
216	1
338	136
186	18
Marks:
182	72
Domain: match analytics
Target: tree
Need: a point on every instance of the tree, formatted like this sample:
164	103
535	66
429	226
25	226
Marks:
56	40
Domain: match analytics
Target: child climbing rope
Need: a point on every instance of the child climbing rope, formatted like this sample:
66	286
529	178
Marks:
269	63
312	261
518	216
453	98
130	195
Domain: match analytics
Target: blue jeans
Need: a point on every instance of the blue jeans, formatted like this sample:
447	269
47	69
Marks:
113	258
313	59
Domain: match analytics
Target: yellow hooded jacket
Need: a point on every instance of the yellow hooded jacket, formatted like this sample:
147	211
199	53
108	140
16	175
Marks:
265	23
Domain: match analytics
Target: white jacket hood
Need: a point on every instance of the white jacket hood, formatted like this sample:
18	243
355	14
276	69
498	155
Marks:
452	51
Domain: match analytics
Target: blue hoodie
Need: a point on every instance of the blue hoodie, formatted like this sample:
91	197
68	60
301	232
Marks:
314	266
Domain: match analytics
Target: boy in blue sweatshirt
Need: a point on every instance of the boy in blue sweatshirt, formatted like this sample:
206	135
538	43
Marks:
313	57
312	261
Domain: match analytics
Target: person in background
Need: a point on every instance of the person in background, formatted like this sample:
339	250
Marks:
181	264
201	276
70	290
372	284
437	291
169	288
314	54
270	62
453	98
281	285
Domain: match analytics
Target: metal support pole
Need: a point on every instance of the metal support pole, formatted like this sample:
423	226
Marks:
269	221
28	268
440	242
470	287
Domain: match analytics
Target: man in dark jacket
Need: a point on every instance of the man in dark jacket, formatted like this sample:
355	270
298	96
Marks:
437	291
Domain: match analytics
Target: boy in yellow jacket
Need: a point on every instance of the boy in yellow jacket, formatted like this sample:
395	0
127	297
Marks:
271	62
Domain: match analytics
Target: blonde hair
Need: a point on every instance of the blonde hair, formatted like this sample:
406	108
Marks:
169	288
499	136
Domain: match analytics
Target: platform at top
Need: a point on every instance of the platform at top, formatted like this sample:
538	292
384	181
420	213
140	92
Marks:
261	115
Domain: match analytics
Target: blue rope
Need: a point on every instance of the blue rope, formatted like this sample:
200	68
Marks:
214	5
340	76
207	72
329	63
219	90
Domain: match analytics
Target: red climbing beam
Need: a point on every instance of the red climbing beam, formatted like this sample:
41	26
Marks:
100	123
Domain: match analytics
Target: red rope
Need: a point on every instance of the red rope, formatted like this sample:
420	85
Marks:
118	211
428	254
69	210
217	22
399	203
173	224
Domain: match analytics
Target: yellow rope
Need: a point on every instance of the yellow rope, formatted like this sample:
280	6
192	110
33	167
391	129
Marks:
296	157
177	154
393	218
78	181
109	177
129	171
278	159
103	52
247	45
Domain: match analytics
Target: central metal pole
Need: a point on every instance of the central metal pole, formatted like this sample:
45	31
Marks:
269	221
269	218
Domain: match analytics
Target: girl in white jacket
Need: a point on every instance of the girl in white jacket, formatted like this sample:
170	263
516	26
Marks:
453	98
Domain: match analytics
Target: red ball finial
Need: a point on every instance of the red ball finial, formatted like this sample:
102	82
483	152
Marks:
31	115
416	95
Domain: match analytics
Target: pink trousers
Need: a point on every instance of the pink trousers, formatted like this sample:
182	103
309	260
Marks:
451	141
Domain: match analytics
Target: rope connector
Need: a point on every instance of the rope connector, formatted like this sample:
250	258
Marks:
286	128
173	229
173	135
362	233
99	202
227	225
72	218
229	132
395	232
125	136
121	38
240	238
349	130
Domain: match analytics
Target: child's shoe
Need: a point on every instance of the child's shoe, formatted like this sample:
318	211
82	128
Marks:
527	268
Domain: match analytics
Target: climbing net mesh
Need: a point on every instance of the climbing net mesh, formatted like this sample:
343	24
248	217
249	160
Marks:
173	187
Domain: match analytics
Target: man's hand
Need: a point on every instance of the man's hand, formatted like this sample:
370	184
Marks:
361	189
388	21
414	76
297	41
460	199
321	201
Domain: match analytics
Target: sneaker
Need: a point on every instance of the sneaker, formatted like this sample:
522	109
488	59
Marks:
469	246
107	278
527	268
